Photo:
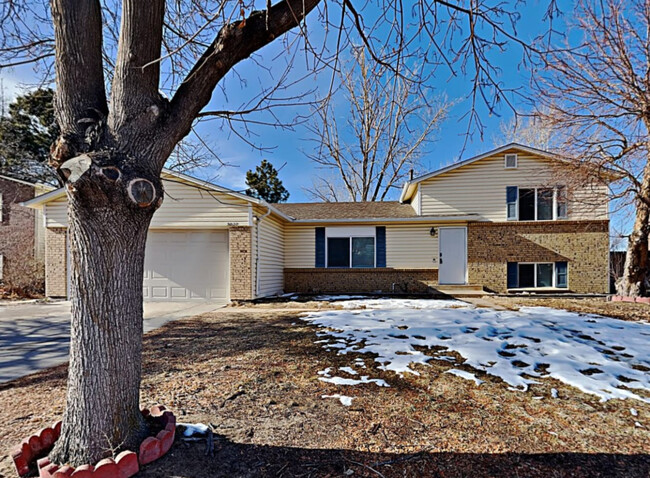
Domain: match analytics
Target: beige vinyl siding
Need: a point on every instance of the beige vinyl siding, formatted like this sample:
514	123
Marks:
407	246
300	244
416	202
56	213
411	246
480	188
184	207
39	225
271	256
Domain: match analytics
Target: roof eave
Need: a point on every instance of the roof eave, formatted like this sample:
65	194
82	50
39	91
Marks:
38	201
468	217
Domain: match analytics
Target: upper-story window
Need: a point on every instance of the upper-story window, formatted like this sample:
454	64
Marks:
510	161
536	204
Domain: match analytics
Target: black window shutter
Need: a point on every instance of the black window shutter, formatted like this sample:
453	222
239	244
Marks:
513	275
320	247
380	237
511	202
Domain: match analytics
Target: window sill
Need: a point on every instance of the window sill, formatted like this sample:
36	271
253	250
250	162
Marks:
539	289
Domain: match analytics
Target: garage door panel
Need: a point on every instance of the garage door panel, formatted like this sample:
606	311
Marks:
186	265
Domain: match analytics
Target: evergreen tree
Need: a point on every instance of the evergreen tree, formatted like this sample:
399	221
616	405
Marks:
263	183
26	133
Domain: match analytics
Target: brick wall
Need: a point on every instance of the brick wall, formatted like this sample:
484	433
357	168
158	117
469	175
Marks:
16	231
56	265
241	257
583	244
355	281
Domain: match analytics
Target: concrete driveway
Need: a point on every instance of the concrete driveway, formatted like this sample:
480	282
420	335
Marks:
35	336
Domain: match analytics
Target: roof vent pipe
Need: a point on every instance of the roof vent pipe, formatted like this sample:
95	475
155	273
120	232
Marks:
411	175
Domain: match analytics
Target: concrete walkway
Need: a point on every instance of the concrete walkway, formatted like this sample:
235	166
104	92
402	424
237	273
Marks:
36	335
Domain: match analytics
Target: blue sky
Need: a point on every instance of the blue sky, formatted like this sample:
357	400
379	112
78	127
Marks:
292	146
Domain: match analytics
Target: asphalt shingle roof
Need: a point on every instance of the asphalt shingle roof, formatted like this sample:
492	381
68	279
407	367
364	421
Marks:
346	210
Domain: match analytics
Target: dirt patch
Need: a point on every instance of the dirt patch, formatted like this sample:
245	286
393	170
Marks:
619	310
253	375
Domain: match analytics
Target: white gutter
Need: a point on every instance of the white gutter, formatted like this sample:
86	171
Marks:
258	220
468	217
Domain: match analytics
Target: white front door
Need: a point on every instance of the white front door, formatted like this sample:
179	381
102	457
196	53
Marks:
453	255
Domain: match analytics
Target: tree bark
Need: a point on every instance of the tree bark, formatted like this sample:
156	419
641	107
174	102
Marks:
110	159
635	281
109	214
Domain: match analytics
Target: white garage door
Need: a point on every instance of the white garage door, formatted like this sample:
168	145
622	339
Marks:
186	266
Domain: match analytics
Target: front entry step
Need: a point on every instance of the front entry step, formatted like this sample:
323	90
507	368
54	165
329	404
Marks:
463	290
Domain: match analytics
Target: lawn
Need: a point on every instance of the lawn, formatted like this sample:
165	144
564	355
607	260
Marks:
253	374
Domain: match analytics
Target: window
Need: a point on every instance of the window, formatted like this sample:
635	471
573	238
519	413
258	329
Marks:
338	252
561	203
363	252
536	204
350	247
0	207
511	161
529	275
526	204
545	204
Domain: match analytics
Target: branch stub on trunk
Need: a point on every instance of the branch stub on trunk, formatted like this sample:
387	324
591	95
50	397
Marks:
74	168
142	192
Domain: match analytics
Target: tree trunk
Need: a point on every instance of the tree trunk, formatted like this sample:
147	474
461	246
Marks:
636	275
107	234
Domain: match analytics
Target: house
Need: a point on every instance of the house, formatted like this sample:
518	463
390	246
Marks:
507	220
22	230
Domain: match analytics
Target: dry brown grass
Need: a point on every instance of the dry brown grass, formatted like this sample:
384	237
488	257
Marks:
253	375
620	310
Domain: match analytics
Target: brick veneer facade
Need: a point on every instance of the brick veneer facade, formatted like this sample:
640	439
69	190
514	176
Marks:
56	264
16	228
241	266
346	281
583	244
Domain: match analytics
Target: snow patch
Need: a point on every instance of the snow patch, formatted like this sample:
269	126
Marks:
345	400
599	355
192	429
349	370
465	375
350	381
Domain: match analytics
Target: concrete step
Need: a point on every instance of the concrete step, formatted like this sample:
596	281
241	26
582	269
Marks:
463	290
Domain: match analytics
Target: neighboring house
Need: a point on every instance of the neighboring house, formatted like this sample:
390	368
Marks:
22	231
506	221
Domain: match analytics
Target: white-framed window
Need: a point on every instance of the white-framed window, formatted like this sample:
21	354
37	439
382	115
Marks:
535	275
510	161
536	203
347	247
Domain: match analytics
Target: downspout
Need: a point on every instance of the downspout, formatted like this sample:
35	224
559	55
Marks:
258	220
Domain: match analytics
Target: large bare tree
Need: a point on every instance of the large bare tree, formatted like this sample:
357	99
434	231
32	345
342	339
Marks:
370	146
596	97
111	61
530	130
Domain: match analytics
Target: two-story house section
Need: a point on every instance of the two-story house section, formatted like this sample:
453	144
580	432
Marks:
540	224
514	219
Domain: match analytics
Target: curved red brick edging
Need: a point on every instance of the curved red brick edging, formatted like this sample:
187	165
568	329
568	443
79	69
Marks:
125	465
623	298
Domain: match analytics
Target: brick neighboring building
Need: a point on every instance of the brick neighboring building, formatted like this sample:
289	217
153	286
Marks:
22	231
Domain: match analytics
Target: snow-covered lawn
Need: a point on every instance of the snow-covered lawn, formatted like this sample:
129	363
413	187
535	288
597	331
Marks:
606	357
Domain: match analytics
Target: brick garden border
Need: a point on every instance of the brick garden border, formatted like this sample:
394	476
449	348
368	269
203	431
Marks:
125	465
623	298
